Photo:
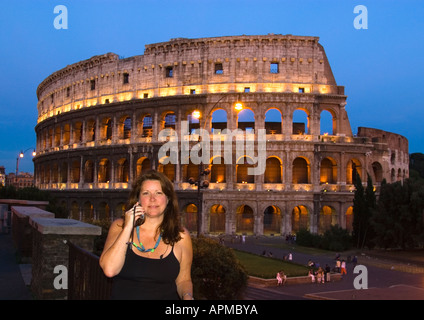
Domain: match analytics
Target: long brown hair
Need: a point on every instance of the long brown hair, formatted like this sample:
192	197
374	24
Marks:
171	224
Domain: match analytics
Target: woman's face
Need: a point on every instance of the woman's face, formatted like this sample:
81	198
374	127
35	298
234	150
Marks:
152	198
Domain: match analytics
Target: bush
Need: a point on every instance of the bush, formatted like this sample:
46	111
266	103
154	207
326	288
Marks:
216	272
307	239
335	239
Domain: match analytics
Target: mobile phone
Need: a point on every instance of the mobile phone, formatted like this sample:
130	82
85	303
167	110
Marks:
140	220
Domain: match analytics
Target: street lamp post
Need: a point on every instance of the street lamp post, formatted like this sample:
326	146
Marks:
21	155
238	106
200	185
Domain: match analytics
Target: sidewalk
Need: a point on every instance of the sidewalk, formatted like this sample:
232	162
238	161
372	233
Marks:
12	285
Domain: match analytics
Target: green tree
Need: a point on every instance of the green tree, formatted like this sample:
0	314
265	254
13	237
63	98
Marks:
398	219
359	213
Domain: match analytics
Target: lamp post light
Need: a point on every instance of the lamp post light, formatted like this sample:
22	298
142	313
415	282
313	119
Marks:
238	106
21	155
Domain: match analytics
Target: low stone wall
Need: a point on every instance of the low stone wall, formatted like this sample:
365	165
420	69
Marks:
50	251
260	282
22	231
42	240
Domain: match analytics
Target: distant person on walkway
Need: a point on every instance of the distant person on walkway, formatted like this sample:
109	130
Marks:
343	267
338	265
311	275
147	251
327	271
281	278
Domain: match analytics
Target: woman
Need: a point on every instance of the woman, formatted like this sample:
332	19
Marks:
147	251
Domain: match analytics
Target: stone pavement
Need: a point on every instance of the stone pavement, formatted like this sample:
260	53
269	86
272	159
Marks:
385	282
12	284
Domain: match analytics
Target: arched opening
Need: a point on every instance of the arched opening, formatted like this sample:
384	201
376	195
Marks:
104	171
353	168
142	166
75	171
272	220
244	220
219	120
300	218
122	171
217	219
328	171
75	212
242	168
273	121
326	123
63	173
90	133
103	212
273	170
246	121
218	171
88	212
106	129
168	170
378	172
89	171
327	218
349	219
300	171
189	217
147	126
300	122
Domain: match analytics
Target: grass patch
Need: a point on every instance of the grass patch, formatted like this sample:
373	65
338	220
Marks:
267	268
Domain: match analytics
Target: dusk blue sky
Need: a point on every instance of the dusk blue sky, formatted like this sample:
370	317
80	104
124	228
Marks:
381	67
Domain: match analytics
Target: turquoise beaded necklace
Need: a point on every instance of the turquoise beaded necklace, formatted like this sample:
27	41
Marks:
141	247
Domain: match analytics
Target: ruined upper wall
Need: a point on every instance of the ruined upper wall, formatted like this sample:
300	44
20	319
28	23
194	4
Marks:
267	63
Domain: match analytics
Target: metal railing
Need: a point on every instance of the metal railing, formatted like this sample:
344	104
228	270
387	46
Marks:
86	280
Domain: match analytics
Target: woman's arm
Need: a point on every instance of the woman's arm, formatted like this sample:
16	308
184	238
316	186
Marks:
113	256
183	281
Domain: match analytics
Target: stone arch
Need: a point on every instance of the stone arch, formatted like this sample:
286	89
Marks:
219	120
242	170
217	217
349	219
272	220
327	122
103	211
273	170
273	121
300	121
189	217
353	167
244	219
300	218
143	164
218	170
377	170
327	218
301	171
89	171
104	172
246	120
328	171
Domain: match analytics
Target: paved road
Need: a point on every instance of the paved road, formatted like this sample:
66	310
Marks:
384	283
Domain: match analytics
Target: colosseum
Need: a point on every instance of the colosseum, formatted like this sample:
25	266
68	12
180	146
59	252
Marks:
177	107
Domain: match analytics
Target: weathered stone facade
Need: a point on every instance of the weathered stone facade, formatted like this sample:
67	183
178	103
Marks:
100	123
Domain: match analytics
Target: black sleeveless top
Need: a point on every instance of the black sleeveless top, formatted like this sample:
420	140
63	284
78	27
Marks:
146	279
